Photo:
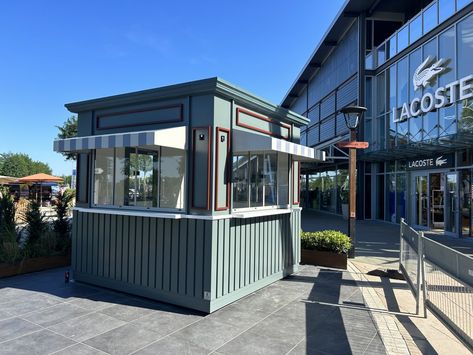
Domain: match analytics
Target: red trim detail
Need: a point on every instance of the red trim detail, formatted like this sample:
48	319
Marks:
217	143
263	118
298	177
209	134
122	113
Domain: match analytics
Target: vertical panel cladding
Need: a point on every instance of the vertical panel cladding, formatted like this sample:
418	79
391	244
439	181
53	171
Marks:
163	255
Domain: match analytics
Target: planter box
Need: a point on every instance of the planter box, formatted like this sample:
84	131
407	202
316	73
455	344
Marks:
324	258
33	265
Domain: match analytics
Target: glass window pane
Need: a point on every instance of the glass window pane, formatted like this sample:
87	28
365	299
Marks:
401	197
392	46
446	9
462	3
415	29
447	115
391	86
256	180
402	96
402	38
270	179
430	17
465	47
103	177
240	181
142	190
380	94
172	176
381	55
369	61
415	123
121	178
430	120
390	214
283	179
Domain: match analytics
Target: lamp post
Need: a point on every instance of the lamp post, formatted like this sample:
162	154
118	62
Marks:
352	115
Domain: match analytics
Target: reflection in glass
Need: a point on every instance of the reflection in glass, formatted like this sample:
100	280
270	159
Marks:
172	168
421	201
121	178
256	180
462	3
103	177
401	197
402	38
465	203
430	17
142	190
392	45
381	55
415	29
283	179
403	85
447	115
240	181
446	9
390	214
430	123
270	179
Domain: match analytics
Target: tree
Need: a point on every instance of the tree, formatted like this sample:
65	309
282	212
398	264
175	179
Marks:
68	130
20	164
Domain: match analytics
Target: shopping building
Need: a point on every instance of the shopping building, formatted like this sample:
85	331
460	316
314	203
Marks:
410	62
187	193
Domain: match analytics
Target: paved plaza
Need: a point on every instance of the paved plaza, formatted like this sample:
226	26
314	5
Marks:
316	311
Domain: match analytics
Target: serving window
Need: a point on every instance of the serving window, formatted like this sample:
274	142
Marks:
260	180
149	177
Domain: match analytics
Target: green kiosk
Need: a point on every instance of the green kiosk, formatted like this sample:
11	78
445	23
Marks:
187	194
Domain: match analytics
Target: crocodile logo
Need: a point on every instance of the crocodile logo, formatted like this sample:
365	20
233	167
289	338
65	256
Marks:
427	72
440	162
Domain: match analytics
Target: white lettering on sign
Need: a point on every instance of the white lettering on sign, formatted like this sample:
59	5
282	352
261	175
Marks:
425	75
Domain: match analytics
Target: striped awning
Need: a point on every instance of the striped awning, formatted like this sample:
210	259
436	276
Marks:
244	141
169	137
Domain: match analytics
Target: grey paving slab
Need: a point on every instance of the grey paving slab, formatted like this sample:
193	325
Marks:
87	326
235	316
166	322
25	304
56	314
123	340
252	342
208	333
15	327
98	301
5	315
172	345
129	310
79	349
42	342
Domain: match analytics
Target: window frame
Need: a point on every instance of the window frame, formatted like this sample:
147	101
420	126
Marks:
278	205
135	150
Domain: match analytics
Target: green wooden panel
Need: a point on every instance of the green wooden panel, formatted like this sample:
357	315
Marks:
125	250
160	253
231	260
182	272
130	222
100	241
226	255
191	251
167	255
247	252
113	246
174	275
138	228
145	263
152	252
199	258
238	258
219	244
106	245
208	262
79	240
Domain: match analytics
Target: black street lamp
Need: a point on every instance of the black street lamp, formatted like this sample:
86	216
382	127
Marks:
352	115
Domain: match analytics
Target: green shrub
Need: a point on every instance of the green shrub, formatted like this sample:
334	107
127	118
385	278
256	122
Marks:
61	224
327	240
36	226
7	215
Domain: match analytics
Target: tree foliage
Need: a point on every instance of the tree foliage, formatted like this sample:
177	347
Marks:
20	164
68	130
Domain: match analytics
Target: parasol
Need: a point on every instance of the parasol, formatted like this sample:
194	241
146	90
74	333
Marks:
40	178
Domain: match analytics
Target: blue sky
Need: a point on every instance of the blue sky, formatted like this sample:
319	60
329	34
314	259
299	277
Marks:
55	52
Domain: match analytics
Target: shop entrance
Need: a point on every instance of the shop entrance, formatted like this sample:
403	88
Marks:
435	204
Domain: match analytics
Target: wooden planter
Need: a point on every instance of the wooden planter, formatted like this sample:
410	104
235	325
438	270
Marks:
324	258
33	265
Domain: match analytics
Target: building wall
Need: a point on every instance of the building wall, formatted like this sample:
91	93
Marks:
180	260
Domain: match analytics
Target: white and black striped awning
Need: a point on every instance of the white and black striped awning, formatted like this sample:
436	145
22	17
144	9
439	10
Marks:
244	141
169	137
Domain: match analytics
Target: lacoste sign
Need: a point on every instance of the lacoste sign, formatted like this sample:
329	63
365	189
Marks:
436	162
425	75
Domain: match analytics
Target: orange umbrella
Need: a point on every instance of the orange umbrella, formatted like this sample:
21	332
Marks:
40	178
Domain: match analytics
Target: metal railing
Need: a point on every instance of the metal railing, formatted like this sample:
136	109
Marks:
440	279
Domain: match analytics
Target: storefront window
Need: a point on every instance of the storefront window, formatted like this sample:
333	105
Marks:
172	168
144	177
103	177
392	105
315	183
430	123
390	214
260	180
415	123
446	9
403	84
430	17
400	197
